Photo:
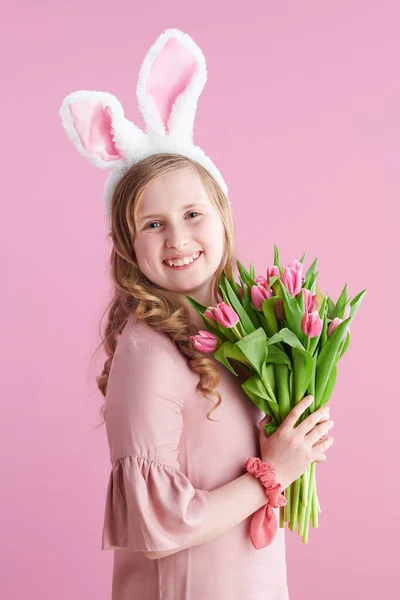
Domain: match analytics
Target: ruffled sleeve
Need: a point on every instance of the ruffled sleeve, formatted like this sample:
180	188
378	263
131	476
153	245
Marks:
150	504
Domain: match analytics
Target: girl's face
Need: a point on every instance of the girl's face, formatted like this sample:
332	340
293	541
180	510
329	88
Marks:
176	219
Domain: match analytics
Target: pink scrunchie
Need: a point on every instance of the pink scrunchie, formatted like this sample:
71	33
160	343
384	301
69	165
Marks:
263	525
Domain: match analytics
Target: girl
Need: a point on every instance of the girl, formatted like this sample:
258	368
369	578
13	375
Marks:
181	493
179	500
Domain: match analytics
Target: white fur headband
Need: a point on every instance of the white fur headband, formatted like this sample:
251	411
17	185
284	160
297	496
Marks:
171	79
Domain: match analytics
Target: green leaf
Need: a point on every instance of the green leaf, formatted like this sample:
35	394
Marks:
340	304
282	378
261	404
255	349
329	352
345	346
252	271
257	392
272	280
287	336
303	371
235	286
276	259
238	308
245	276
310	272
293	314
329	386
277	356
228	350
268	308
196	305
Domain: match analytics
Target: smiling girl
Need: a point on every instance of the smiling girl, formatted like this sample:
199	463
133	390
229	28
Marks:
179	426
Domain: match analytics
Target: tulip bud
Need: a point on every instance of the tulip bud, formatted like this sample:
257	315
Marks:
261	280
292	280
309	300
272	271
205	341
258	294
311	324
336	321
209	313
297	265
225	315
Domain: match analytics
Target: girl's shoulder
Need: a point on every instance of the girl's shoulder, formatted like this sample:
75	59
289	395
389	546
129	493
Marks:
145	338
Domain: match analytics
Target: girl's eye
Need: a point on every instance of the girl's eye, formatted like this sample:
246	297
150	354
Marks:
157	222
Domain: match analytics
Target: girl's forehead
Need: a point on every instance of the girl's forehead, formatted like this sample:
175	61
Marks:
172	192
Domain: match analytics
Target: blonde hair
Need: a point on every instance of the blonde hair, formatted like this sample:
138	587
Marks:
162	309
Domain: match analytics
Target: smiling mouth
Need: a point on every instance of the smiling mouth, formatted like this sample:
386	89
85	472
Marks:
185	266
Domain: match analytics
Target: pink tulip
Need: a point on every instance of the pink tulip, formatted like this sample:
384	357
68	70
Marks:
309	300
258	294
205	341
225	315
311	324
280	310
261	280
292	280
272	271
209	313
336	321
297	265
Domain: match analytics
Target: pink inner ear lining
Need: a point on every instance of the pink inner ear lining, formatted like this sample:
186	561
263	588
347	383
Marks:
92	122
169	76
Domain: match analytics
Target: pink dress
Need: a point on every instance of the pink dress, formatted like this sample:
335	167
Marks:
166	458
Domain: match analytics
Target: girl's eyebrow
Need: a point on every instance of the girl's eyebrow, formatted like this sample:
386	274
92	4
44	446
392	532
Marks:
186	207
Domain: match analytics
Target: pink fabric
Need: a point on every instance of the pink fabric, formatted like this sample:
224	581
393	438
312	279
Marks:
264	525
169	76
166	458
92	122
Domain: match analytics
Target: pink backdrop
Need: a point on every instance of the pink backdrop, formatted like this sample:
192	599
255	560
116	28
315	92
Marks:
301	115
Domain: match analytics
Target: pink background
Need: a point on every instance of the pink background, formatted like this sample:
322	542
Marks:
301	115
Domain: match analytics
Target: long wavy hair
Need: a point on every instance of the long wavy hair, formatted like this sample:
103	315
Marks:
162	309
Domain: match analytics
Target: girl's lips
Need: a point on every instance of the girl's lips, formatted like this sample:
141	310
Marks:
183	266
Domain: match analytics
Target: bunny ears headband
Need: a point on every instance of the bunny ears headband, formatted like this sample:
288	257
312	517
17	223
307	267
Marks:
171	79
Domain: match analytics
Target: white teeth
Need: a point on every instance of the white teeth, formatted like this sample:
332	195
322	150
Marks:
184	261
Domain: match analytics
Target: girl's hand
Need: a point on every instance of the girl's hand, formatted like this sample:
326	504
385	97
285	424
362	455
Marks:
292	449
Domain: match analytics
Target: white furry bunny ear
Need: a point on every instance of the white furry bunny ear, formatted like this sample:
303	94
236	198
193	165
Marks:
95	123
171	79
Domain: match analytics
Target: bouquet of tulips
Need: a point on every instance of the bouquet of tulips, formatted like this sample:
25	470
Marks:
288	339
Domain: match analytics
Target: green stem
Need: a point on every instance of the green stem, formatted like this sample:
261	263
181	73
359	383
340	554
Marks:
281	516
304	487
302	519
288	494
311	486
235	329
314	508
295	504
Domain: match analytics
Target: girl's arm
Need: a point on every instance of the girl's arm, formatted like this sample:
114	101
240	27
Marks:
230	504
